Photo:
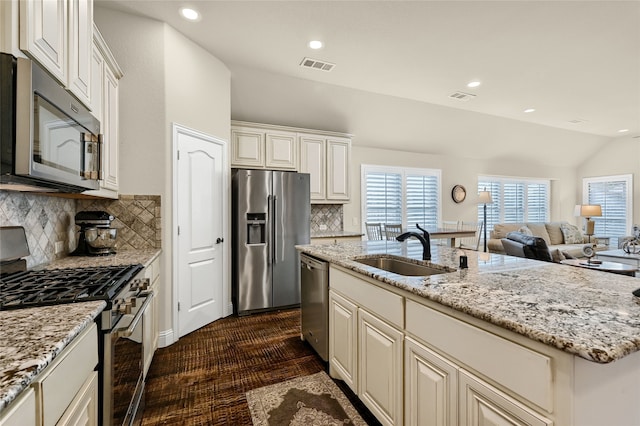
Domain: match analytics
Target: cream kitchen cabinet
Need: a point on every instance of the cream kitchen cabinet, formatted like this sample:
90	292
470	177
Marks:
375	344
22	411
263	147
104	106
430	387
334	240
327	160
150	318
58	35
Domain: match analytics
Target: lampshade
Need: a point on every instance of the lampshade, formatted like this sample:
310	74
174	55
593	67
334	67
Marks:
484	197
589	210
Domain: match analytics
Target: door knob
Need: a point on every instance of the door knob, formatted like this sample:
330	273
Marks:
219	240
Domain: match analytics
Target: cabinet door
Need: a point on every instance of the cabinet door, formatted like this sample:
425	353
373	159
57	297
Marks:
110	131
247	148
97	83
83	410
430	387
380	368
343	317
281	151
43	34
313	161
148	334
481	404
80	49
338	159
20	412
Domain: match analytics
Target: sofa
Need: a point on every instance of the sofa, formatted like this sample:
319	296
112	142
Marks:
561	236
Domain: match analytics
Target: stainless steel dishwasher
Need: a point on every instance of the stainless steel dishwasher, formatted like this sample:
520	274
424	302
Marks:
314	303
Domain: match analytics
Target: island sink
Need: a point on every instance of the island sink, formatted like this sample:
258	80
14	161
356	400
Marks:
402	267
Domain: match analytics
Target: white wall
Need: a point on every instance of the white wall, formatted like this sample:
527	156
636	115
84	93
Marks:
620	156
167	79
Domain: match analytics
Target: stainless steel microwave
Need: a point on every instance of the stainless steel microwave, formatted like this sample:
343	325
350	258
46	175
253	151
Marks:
49	142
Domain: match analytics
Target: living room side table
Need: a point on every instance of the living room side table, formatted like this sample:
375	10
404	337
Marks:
619	256
613	267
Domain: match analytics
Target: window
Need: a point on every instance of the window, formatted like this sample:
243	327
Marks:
401	195
515	200
613	193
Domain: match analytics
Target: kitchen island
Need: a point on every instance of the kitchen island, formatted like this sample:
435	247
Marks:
546	343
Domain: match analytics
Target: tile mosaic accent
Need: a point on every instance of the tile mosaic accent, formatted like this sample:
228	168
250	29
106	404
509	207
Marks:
326	214
137	217
46	220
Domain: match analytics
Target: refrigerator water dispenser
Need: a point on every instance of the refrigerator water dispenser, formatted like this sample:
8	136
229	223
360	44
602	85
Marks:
256	223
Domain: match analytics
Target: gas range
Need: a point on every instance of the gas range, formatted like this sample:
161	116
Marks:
56	286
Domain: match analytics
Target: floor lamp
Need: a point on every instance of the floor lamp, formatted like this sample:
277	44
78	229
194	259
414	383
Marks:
485	198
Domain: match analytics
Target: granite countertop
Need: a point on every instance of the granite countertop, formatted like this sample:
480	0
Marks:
27	346
590	314
32	338
335	234
124	257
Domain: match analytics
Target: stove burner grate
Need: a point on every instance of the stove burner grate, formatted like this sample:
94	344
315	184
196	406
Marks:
56	286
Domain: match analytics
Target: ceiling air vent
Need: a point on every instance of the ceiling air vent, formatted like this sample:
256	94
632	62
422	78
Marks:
462	96
317	65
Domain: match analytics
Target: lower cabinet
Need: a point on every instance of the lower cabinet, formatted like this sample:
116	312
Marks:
22	411
380	368
430	387
410	364
343	331
83	410
150	317
482	404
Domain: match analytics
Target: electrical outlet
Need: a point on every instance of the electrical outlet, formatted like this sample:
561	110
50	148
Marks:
323	227
59	246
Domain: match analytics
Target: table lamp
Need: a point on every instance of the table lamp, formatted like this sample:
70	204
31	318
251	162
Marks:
484	197
588	211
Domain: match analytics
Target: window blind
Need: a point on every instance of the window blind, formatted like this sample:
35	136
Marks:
613	194
401	195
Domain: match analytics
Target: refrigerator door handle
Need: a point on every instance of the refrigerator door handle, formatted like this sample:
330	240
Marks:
274	258
270	230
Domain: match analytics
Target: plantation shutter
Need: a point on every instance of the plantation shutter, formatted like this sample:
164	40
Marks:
612	197
422	201
383	201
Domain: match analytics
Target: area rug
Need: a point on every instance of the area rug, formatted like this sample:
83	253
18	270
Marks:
303	401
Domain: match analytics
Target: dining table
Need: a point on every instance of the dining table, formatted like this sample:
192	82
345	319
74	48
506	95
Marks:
450	234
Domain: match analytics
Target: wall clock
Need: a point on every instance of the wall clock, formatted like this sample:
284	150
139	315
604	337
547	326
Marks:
458	193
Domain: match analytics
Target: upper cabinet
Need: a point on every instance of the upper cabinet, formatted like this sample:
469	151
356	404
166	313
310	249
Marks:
105	74
58	35
263	147
326	156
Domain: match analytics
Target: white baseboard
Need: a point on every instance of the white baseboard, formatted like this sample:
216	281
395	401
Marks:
166	338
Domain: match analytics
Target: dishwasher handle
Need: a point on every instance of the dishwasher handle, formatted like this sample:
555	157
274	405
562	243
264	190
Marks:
311	263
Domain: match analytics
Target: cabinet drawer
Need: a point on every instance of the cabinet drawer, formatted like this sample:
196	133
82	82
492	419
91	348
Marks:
383	303
520	369
60	381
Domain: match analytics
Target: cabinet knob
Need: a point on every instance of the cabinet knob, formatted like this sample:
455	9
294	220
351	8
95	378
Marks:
219	240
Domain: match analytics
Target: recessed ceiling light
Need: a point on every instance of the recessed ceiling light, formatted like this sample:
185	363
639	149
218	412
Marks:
529	110
473	84
623	130
189	14
315	44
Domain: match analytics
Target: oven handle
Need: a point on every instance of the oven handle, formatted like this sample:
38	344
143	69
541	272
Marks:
127	332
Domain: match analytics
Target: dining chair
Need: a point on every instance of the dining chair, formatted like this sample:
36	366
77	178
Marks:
392	230
471	243
447	225
374	231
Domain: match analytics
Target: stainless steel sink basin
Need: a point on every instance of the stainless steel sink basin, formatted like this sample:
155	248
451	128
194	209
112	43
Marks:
402	267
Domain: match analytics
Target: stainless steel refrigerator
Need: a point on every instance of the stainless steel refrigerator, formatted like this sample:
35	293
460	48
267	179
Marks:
271	213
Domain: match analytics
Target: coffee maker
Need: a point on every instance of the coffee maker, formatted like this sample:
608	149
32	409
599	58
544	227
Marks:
91	223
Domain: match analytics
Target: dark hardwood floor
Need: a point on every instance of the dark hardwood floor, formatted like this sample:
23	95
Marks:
202	379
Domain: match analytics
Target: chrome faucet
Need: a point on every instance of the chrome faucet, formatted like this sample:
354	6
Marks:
424	239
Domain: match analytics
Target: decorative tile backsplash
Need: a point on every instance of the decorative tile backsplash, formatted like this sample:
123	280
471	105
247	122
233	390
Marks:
46	220
329	215
49	219
137	218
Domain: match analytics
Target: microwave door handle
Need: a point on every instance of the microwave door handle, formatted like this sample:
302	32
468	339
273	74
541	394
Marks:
127	332
98	167
83	157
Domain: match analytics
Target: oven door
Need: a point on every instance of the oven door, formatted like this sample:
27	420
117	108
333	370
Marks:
124	395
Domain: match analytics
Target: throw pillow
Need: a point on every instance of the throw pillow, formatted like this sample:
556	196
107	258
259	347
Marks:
526	231
571	233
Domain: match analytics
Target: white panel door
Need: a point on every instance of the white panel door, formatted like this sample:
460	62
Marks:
200	237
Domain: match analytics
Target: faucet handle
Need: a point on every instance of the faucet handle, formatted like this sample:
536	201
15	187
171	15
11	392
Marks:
424	231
